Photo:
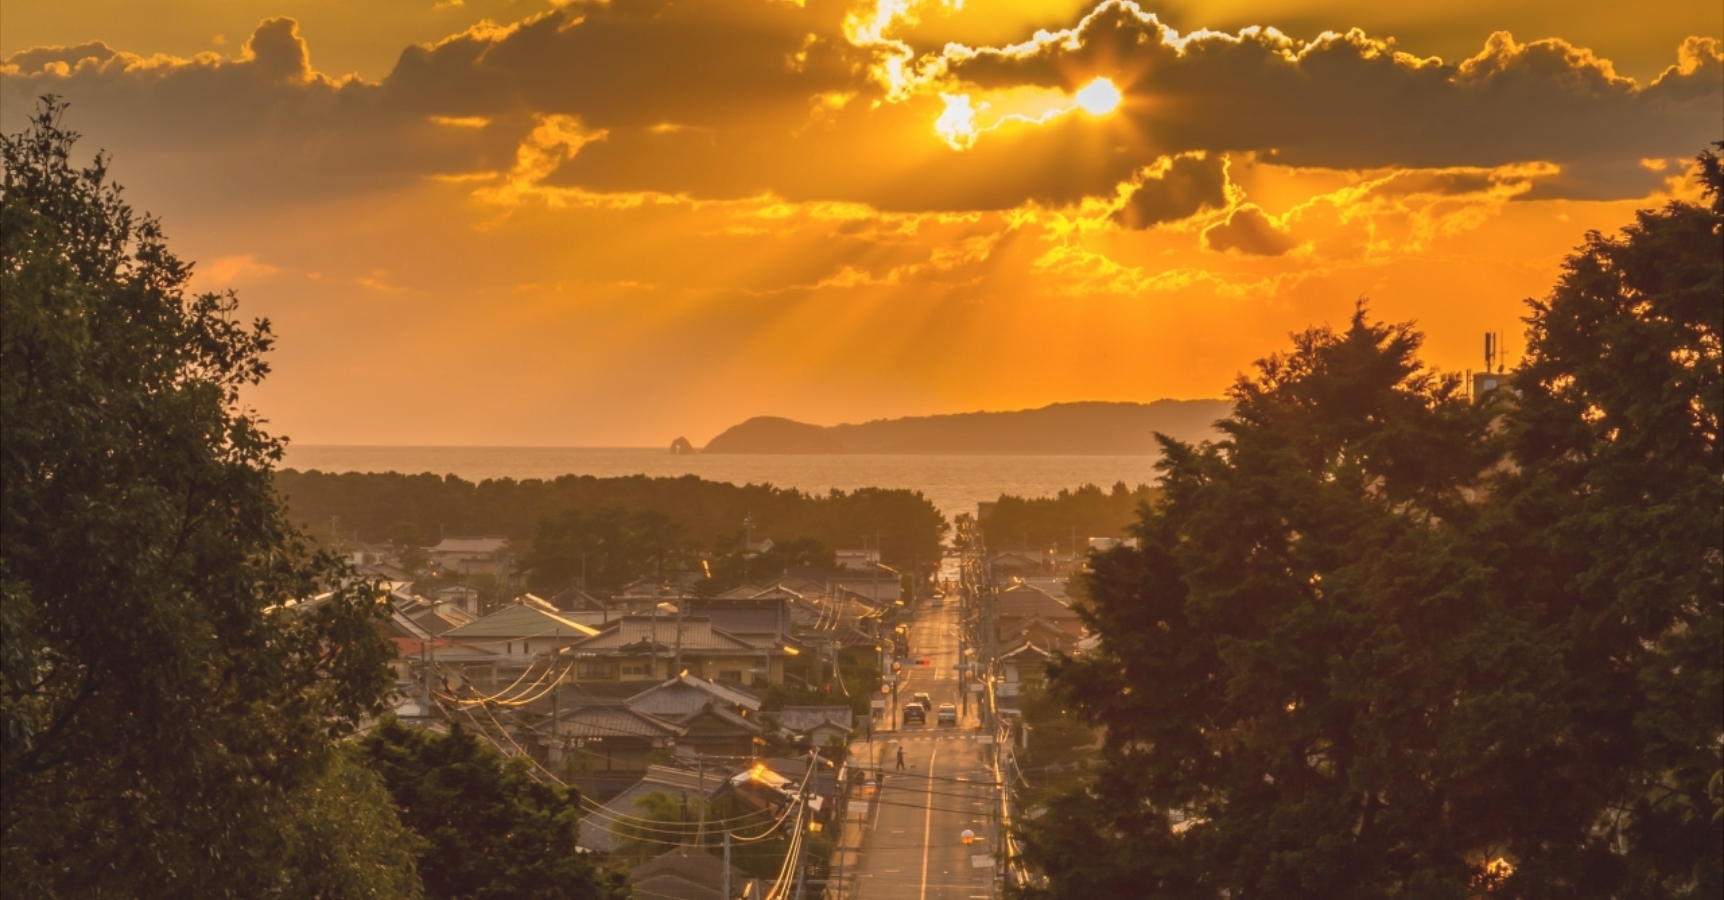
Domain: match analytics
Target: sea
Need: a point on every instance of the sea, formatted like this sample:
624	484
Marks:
953	483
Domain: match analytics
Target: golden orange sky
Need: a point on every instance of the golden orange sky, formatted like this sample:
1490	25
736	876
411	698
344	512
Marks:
614	223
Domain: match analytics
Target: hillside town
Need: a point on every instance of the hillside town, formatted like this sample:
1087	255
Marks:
701	718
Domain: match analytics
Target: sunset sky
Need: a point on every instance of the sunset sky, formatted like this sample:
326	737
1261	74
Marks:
614	223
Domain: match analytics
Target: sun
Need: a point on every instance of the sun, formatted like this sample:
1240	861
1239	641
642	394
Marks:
1098	98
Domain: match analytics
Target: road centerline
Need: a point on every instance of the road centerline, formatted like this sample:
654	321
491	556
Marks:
928	820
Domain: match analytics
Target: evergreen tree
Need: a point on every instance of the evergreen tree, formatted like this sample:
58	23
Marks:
172	693
1384	640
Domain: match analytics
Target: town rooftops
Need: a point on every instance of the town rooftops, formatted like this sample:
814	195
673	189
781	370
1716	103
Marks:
595	831
1027	651
800	719
519	621
635	631
687	693
613	720
681	873
488	544
1024	600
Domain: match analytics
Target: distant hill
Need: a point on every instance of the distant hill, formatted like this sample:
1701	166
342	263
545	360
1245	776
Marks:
1076	429
771	434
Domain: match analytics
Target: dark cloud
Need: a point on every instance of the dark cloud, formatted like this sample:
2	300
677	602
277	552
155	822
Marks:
1248	231
1351	101
703	63
730	98
1185	186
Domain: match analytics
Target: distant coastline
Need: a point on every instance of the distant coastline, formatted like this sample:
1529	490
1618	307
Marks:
1062	429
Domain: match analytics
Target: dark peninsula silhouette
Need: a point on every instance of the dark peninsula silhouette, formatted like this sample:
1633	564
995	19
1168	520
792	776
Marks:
1063	429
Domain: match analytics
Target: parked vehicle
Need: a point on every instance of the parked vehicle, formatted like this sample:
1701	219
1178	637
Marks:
948	714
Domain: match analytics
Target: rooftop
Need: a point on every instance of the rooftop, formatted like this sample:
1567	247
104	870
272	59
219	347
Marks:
518	621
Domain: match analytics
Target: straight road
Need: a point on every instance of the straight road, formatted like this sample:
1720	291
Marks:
914	847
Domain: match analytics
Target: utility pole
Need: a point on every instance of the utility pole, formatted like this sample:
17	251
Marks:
725	889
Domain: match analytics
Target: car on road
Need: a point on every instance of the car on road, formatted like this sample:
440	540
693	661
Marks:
948	714
922	699
915	715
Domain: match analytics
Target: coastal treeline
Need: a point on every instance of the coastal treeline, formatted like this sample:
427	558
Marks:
1066	520
666	513
1389	639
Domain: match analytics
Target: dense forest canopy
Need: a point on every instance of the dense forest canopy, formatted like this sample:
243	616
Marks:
1067	518
705	515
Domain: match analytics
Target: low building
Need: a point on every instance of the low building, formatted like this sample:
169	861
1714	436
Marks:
599	832
1007	566
467	598
656	648
520	632
685	873
607	738
1021	665
468	556
816	726
1024	613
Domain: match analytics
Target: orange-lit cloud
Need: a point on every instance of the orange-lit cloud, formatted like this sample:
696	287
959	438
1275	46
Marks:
836	210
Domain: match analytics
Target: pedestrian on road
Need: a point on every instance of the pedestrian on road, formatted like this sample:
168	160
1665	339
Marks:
900	757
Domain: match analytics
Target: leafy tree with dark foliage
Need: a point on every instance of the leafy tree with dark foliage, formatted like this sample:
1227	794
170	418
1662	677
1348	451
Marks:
1385	641
1039	523
734	565
707	513
172	698
609	548
487	828
1617	514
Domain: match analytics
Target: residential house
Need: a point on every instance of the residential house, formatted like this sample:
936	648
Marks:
467	556
604	738
467	598
520	632
655	648
1018	608
598	828
816	726
1023	664
685	873
718	721
1008	566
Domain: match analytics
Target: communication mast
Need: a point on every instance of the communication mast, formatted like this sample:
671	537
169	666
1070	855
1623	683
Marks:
1495	366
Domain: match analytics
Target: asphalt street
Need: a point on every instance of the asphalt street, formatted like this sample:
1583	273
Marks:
914	847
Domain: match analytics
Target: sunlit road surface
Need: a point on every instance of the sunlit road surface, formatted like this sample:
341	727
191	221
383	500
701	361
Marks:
914	848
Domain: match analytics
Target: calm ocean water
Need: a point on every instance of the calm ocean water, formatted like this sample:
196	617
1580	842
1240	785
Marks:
954	483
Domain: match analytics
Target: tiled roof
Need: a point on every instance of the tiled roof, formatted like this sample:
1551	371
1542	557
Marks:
595	835
1034	622
697	634
741	620
1028	651
611	721
682	695
486	544
802	718
723	714
1023	600
688	864
521	621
